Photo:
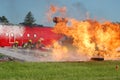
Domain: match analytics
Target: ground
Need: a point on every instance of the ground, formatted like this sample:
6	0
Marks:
91	70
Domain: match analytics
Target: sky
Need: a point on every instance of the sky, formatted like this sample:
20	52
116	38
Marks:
16	10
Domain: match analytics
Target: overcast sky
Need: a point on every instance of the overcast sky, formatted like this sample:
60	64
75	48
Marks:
15	10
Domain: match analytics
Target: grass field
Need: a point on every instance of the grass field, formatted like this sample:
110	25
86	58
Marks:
93	70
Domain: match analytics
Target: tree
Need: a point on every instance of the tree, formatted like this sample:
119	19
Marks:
4	20
29	19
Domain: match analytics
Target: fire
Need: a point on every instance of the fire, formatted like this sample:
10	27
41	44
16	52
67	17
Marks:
59	52
91	37
53	9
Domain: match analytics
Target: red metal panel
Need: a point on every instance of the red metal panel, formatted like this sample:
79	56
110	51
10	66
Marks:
30	33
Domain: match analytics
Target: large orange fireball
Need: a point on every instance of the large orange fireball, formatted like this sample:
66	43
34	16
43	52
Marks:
91	37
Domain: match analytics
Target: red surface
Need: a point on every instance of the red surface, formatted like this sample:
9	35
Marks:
41	32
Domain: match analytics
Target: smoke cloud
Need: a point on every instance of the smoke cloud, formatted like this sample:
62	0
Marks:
77	11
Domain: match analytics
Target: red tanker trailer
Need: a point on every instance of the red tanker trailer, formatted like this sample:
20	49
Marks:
9	34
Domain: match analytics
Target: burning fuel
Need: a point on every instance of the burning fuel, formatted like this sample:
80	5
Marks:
81	41
89	37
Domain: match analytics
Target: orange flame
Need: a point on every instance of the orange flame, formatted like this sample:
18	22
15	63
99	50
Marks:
59	52
53	10
90	36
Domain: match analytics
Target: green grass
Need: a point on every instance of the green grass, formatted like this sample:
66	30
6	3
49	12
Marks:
104	70
1	55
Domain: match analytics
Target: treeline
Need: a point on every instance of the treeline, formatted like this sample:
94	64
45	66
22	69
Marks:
29	20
